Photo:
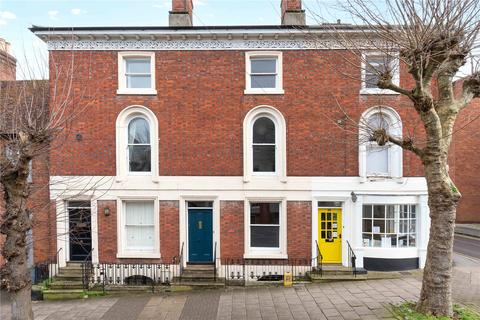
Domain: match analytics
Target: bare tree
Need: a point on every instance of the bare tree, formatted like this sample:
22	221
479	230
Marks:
35	114
431	39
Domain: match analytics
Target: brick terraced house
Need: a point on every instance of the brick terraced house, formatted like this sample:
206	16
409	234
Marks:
207	144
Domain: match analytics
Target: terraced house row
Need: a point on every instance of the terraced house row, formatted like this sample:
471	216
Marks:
204	144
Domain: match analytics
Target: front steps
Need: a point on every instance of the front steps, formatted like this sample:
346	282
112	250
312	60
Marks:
67	284
199	276
336	272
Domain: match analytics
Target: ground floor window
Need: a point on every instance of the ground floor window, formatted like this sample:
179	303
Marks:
139	224
265	225
389	226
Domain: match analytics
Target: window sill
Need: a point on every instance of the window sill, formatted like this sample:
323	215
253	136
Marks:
136	91
265	255
139	254
264	91
374	91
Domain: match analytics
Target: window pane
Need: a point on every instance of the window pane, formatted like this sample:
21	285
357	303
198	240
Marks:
377	240
139	82
390	212
403	226
263	81
138	131
264	65
139	213
263	131
377	160
379	211
267	237
139	158
367	239
371	80
138	65
200	204
264	213
264	158
140	238
412	240
390	226
367	225
402	240
378	226
367	211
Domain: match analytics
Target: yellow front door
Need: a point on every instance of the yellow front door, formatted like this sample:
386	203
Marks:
330	234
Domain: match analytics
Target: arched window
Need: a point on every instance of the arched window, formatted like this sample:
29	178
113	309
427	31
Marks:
380	160
137	143
264	144
264	148
139	147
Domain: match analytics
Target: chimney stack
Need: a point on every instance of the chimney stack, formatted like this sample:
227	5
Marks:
181	14
292	13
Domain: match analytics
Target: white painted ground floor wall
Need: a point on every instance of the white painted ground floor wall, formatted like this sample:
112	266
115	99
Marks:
407	190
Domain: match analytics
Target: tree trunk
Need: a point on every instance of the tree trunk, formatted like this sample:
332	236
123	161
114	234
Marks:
435	296
16	222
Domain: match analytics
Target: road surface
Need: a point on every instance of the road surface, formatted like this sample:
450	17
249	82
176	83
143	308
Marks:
467	246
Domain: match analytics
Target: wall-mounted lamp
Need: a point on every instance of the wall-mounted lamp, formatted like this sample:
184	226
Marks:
354	197
106	211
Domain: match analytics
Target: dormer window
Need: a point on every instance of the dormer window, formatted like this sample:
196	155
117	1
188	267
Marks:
136	73
263	73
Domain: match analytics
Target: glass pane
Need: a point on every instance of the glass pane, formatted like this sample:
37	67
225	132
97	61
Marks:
403	226
377	240
139	158
263	131
139	213
379	120
139	82
367	225
377	159
390	212
367	211
264	65
266	237
379	211
378	226
329	216
323	216
412	240
367	239
323	234
200	204
263	81
138	65
413	226
389	241
402	240
329	204
138	131
264	213
263	158
329	225
140	238
79	204
371	80
390	226
413	212
404	211
323	225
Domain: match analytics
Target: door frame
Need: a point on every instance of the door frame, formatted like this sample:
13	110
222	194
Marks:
183	212
346	227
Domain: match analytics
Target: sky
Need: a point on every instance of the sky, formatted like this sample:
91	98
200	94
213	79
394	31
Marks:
16	16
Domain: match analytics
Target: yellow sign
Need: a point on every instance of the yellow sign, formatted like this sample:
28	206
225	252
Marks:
287	279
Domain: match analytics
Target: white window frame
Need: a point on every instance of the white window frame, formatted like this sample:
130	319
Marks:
395	64
280	143
139	173
122	252
395	153
279	72
396	220
123	120
122	81
266	253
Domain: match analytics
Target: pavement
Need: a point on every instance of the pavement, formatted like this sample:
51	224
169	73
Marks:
468	246
346	300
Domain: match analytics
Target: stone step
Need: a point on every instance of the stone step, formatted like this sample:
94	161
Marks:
200	284
68	277
74	264
203	267
196	278
63	294
66	285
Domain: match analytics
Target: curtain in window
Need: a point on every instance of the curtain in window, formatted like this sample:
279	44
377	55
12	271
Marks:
139	226
139	148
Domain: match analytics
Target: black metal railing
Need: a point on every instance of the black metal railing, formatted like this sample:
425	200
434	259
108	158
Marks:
352	259
239	271
215	262
319	260
45	271
131	274
87	268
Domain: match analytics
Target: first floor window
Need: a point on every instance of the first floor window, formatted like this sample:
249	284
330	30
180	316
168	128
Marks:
389	226
265	225
139	226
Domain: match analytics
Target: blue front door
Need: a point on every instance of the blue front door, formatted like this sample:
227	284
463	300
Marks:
200	235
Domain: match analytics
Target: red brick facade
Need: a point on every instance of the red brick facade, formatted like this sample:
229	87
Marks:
299	229
232	229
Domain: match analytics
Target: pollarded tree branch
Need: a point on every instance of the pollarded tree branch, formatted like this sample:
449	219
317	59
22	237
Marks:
470	89
381	137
